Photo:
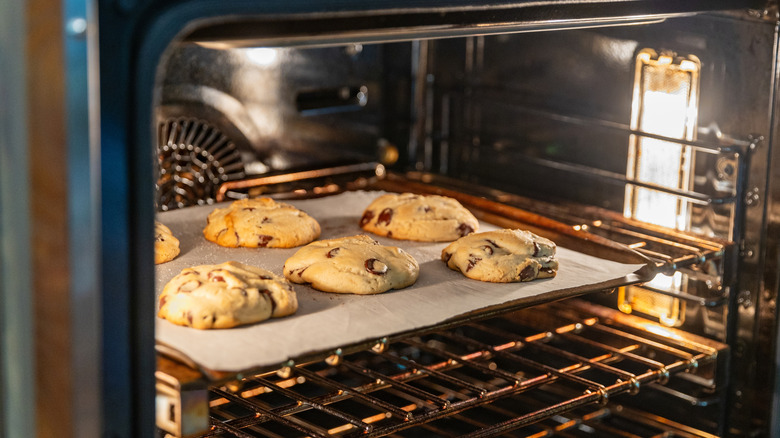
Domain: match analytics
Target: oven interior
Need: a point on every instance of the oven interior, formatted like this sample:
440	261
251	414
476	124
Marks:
556	123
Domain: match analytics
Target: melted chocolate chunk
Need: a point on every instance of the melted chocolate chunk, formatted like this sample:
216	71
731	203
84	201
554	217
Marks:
298	272
465	229
527	273
385	216
472	262
263	239
267	293
495	245
536	249
332	253
367	216
217	278
376	267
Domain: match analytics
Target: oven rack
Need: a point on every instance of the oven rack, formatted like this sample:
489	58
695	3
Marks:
670	250
544	362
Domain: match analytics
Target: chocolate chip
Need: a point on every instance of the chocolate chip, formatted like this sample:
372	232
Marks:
367	216
472	262
263	239
265	277
189	317
492	243
265	220
390	234
427	209
536	249
465	229
376	267
446	256
267	293
249	209
163	300
527	273
488	249
217	278
243	293
298	272
385	216
332	253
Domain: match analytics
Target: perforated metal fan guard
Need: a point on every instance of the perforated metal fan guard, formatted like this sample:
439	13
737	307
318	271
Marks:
194	158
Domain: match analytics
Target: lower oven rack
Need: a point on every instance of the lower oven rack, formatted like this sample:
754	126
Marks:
536	372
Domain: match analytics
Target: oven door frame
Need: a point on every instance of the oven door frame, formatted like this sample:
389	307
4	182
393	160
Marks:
131	45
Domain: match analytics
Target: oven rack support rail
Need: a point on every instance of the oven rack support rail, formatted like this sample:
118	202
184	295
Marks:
571	356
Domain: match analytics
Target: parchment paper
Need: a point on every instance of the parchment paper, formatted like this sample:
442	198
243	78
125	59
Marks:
329	320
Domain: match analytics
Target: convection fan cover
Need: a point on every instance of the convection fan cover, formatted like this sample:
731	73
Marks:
195	158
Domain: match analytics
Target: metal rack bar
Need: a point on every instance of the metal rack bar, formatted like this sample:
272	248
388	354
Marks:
429	401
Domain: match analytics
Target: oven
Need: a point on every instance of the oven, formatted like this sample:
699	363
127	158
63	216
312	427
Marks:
636	132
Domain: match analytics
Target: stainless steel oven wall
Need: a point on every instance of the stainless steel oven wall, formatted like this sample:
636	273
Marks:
292	108
546	115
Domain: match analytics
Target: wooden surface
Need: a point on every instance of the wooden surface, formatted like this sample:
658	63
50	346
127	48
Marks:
49	230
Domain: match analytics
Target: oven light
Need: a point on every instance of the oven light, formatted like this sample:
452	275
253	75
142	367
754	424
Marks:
264	56
669	311
665	103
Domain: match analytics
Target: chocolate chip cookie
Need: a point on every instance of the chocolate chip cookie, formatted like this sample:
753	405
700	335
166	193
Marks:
502	256
424	218
260	223
225	295
356	264
166	246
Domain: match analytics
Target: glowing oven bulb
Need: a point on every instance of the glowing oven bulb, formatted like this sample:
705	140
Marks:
665	103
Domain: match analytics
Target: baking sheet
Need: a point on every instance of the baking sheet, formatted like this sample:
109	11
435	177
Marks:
328	320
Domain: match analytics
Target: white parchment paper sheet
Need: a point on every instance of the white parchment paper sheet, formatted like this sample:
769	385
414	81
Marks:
329	320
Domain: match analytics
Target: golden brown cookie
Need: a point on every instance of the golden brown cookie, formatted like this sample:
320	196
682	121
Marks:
225	295
502	256
356	264
424	218
166	246
260	223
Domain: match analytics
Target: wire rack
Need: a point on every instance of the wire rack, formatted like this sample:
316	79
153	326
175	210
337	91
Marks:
544	371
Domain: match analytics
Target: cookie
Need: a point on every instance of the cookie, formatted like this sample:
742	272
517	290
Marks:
260	223
356	264
502	256
424	218
166	246
225	295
